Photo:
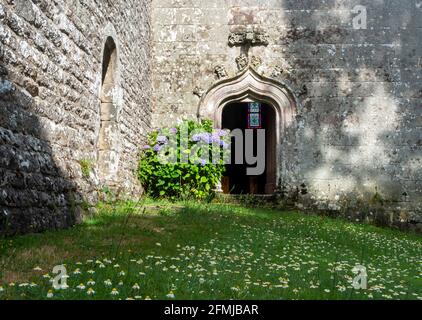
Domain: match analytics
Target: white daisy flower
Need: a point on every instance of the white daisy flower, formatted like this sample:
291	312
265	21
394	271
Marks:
81	286
50	294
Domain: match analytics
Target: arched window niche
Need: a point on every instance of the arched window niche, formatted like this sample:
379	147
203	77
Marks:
108	141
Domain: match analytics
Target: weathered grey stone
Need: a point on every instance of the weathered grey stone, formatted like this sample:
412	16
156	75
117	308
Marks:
357	124
50	83
358	91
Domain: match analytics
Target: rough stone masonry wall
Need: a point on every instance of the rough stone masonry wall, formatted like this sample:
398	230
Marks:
358	131
50	77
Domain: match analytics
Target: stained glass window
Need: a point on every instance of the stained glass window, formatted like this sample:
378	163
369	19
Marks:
254	115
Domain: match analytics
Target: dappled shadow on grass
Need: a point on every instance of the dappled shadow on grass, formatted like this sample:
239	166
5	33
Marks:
219	251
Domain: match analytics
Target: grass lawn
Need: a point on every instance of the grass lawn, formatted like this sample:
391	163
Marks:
212	251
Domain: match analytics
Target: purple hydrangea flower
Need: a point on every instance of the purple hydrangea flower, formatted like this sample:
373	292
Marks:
204	137
173	130
157	148
196	138
146	147
224	144
203	162
162	139
222	133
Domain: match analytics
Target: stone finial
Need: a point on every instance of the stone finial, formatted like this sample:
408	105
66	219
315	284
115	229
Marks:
220	72
302	91
256	62
277	72
242	62
198	91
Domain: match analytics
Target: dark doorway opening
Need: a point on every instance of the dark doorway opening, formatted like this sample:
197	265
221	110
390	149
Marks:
236	180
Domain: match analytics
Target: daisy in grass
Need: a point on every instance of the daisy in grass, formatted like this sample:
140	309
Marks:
108	283
37	269
81	286
171	295
1	289
136	287
91	283
90	292
50	294
114	292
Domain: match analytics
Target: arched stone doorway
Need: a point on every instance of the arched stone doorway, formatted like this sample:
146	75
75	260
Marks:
235	116
221	100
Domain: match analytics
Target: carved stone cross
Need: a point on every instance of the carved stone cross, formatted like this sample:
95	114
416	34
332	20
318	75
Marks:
248	38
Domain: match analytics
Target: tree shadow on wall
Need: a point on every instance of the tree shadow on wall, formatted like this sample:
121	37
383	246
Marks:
36	194
364	140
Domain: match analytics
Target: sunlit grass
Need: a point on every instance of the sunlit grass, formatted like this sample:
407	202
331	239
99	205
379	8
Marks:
211	251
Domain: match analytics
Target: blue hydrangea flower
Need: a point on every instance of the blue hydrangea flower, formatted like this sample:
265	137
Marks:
162	139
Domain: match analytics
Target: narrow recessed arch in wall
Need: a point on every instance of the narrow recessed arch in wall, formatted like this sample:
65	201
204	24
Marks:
247	86
110	103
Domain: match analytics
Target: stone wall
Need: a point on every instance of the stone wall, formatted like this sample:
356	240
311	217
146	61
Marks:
358	136
51	65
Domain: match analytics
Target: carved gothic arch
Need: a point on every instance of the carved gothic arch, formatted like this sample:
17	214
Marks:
250	85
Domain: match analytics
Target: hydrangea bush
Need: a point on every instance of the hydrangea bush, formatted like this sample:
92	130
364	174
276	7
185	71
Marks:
185	161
